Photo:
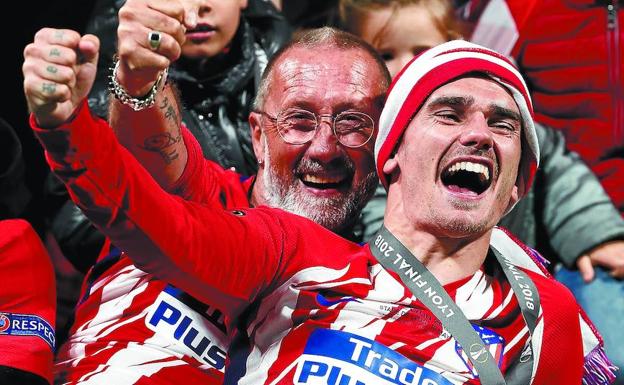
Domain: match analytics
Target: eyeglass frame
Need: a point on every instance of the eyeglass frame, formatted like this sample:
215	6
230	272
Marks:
318	119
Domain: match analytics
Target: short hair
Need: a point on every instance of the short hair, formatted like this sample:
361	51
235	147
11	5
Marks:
441	11
316	38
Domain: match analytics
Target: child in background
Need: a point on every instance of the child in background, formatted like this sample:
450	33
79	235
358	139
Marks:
399	36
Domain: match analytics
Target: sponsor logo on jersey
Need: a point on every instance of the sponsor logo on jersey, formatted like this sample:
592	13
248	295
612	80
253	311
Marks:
326	302
494	343
27	325
333	357
196	334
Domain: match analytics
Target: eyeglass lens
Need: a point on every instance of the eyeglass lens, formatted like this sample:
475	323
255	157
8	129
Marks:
353	129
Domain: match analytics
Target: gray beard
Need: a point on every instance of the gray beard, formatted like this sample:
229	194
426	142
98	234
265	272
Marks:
335	214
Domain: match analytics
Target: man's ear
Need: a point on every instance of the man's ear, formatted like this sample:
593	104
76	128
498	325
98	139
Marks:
242	4
391	165
257	136
513	198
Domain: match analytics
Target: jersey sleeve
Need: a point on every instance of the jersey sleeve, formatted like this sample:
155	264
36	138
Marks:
27	301
211	253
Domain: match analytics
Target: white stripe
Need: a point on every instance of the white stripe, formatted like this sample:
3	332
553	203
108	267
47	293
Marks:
500	308
512	251
496	28
589	338
516	339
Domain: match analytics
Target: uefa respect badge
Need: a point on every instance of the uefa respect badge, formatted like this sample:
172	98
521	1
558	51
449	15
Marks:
26	325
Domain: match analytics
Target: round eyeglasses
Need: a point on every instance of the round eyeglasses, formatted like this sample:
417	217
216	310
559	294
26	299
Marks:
295	126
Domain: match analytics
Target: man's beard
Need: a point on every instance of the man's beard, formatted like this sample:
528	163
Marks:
337	214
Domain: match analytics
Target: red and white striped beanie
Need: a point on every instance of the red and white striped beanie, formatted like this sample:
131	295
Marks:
438	66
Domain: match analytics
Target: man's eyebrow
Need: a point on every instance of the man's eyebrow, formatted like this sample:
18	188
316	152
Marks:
505	112
451	101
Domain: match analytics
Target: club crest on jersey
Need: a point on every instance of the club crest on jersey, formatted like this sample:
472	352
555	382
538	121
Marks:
27	325
494	343
194	331
333	357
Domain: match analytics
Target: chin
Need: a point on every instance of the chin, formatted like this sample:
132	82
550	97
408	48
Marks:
461	224
198	51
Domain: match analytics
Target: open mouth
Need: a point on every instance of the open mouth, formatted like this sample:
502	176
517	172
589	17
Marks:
325	182
467	177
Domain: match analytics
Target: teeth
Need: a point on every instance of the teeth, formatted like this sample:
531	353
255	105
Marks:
320	180
472	167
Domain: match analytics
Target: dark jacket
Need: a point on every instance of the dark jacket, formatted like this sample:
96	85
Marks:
14	195
216	106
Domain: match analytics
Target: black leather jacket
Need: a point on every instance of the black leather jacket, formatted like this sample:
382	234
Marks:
216	106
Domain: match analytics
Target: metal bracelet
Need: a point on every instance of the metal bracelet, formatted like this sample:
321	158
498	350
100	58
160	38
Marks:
122	95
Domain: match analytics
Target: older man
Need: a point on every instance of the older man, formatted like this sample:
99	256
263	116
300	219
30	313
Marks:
132	327
456	150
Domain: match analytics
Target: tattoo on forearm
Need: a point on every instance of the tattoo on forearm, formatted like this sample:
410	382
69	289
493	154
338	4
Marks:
161	144
52	69
55	52
169	110
48	88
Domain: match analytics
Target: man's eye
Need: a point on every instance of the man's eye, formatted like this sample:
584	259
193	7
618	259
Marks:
504	126
447	116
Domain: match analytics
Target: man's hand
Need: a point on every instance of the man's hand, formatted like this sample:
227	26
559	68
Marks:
139	62
59	70
609	255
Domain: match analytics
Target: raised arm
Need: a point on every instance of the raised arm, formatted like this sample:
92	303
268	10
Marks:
199	249
150	35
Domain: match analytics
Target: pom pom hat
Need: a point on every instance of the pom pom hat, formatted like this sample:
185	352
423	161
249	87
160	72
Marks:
438	66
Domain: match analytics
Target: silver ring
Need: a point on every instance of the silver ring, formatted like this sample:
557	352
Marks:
153	39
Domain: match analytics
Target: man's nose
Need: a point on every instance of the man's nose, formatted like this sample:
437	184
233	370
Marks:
477	133
324	146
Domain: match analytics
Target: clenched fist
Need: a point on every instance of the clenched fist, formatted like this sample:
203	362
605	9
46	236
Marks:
59	70
150	37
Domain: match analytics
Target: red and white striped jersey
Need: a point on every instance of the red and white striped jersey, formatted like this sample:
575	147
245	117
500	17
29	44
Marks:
131	328
301	304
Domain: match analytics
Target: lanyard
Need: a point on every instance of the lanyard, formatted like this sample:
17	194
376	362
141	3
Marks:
394	256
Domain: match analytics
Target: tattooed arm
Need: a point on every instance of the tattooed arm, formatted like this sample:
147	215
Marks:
152	135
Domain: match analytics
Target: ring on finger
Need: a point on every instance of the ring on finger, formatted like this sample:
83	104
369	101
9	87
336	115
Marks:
153	39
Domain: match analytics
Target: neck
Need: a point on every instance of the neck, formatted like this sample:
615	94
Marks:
257	191
448	258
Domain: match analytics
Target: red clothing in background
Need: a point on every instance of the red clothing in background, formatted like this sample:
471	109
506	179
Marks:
27	300
571	54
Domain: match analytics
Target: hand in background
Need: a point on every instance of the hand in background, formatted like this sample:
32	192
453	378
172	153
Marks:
609	255
166	20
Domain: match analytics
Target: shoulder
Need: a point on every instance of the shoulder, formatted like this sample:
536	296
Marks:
19	241
24	261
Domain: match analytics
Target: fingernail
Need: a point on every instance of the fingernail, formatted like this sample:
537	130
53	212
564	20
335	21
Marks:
191	19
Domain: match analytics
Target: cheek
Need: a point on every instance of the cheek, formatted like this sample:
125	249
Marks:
394	66
284	157
363	160
229	23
